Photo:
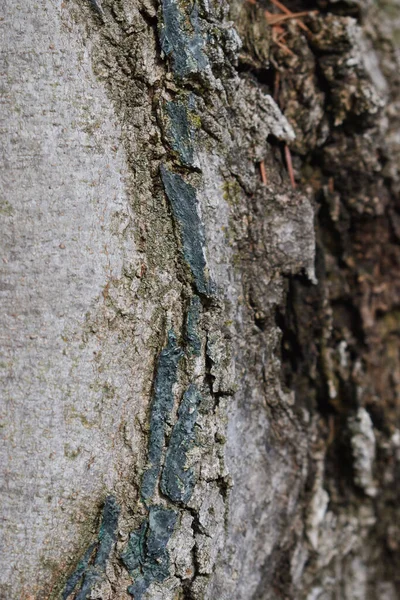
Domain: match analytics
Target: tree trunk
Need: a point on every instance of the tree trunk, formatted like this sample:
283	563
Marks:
200	323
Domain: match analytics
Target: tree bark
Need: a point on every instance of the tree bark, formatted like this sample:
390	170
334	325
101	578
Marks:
200	283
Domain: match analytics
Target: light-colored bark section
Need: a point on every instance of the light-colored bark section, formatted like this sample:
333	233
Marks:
67	389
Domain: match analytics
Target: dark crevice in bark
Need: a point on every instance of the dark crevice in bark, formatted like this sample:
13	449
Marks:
330	332
264	77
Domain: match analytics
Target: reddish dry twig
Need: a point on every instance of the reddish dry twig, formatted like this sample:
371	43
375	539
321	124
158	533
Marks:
284	48
277	81
285	10
288	158
281	37
273	19
331	435
278	34
263	173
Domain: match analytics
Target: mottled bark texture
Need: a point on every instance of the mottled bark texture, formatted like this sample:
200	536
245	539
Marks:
200	362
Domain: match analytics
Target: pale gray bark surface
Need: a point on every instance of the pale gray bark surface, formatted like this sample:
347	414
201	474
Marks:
176	333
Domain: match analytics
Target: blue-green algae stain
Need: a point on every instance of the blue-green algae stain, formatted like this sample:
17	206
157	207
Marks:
181	130
77	575
182	197
146	556
177	480
90	574
163	402
108	532
192	322
182	39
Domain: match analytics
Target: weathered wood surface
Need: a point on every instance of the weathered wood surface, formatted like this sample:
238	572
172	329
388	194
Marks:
200	370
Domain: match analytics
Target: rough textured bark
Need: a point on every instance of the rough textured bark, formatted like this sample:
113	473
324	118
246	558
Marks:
200	363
